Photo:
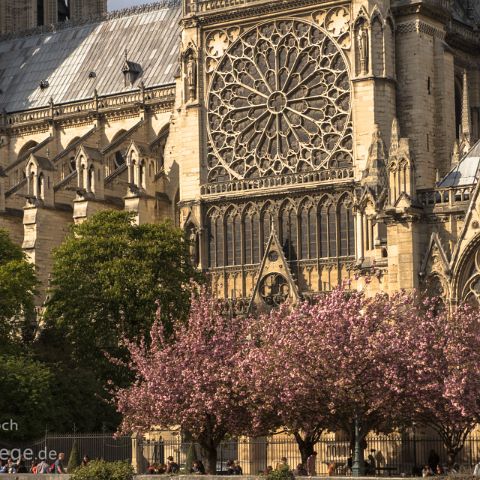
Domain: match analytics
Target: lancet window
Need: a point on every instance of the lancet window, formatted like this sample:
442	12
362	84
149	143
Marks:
307	229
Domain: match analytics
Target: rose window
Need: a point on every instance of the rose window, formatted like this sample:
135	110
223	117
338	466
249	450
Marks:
279	103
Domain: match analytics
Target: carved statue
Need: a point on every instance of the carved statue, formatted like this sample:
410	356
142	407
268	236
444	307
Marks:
193	247
191	74
362	39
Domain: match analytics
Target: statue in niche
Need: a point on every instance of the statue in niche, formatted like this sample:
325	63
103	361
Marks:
193	246
191	75
362	40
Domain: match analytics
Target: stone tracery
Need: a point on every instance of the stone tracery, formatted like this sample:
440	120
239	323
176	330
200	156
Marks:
279	103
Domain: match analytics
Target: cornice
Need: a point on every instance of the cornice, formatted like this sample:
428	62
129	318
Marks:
439	10
249	8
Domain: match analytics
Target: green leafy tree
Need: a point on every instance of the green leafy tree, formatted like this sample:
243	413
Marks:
17	289
74	458
107	277
26	400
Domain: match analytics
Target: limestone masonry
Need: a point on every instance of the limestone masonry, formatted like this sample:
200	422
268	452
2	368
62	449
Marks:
298	143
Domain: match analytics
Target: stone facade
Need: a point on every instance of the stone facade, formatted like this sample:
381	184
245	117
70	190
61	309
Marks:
19	15
299	144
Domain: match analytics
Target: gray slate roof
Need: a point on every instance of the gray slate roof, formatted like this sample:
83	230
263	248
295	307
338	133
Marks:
466	172
65	59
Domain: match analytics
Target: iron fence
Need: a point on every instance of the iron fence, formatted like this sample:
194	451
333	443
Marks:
395	454
95	445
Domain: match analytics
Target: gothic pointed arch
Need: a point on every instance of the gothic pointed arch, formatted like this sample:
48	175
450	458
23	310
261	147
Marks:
467	275
275	283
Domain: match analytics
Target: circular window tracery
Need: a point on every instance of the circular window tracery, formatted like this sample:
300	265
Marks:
274	289
279	102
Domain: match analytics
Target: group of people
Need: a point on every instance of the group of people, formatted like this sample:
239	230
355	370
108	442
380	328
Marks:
170	467
433	466
38	466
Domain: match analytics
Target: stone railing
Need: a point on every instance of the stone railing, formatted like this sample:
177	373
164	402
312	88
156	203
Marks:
321	176
203	6
447	197
95	104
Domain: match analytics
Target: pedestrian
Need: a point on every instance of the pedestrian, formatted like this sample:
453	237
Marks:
58	465
42	467
85	461
237	469
476	469
312	465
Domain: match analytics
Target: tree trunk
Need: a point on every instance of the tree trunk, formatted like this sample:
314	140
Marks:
209	456
306	445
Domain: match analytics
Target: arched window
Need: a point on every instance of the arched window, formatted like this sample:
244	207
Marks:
237	225
346	230
323	229
251	237
332	231
141	174
308	231
233	238
215	244
41	186
288	232
91	179
266	228
26	148
119	158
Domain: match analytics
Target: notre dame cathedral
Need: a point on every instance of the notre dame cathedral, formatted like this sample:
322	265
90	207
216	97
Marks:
299	143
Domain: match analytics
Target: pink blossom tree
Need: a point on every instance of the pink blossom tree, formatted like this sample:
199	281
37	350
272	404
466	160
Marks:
328	365
191	382
440	371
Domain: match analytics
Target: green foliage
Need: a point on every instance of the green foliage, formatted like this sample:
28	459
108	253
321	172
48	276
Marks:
26	396
17	289
107	277
101	470
282	474
74	460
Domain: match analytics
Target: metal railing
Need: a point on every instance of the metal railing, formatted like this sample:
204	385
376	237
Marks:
395	454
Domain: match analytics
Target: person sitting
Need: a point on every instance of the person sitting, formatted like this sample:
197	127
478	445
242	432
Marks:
198	467
427	471
440	470
230	467
172	466
237	469
282	465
